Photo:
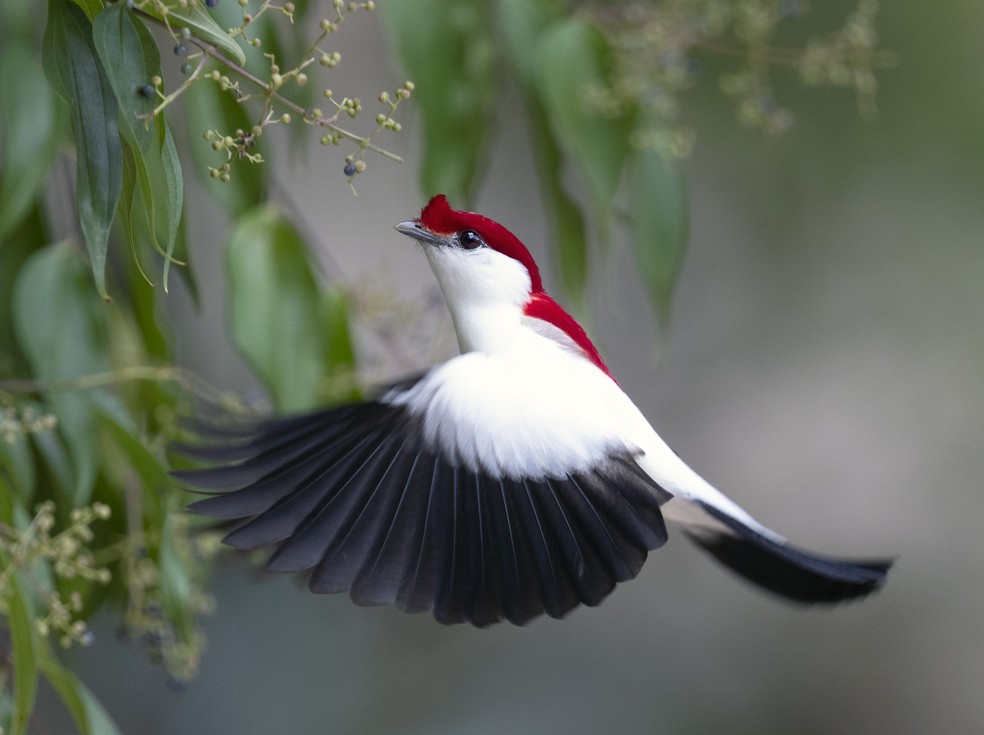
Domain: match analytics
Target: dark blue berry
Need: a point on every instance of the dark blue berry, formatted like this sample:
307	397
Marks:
350	169
186	68
211	3
180	50
146	90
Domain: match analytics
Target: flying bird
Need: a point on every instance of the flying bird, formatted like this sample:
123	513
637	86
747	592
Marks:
513	480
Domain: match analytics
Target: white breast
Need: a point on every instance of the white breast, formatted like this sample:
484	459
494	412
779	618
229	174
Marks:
533	411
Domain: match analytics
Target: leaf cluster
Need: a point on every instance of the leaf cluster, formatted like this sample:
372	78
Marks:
603	88
91	194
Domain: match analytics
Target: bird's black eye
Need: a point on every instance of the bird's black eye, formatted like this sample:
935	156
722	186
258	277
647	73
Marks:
469	240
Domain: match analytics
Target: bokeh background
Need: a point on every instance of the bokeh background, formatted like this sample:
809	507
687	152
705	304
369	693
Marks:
824	365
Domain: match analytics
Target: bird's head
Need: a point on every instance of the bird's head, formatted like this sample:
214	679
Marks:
490	281
477	261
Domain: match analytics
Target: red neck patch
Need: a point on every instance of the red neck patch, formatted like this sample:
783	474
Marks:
541	306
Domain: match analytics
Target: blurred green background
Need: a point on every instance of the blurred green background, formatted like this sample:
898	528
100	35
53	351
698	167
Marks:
824	365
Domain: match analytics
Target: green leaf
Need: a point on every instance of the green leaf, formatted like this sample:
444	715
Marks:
16	461
160	191
130	58
182	256
60	326
564	216
24	641
127	211
91	7
339	355
273	307
154	478
196	18
173	196
73	67
175	580
209	108
524	23
89	715
28	237
573	61
658	224
29	132
448	52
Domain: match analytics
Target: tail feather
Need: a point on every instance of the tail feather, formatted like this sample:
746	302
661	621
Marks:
784	569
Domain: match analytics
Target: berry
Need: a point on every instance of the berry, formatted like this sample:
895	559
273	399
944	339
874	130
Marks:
186	68
350	169
180	50
211	3
146	90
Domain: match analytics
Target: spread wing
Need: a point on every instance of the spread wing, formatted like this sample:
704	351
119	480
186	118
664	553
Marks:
358	498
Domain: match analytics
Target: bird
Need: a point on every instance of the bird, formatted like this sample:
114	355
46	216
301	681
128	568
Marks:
514	480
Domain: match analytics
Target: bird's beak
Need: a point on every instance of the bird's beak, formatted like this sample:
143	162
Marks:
417	231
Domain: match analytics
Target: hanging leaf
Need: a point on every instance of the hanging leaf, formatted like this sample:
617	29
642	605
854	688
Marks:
90	7
202	25
88	715
61	329
29	132
73	68
339	355
130	58
274	307
24	642
573	61
160	191
173	196
447	50
524	22
658	224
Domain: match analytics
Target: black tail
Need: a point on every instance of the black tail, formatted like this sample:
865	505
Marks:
793	573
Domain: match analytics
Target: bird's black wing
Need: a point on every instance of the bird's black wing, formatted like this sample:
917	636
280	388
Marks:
354	496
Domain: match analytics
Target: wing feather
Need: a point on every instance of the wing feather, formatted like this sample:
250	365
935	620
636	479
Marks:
359	497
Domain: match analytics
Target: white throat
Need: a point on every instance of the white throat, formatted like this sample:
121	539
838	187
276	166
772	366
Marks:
485	292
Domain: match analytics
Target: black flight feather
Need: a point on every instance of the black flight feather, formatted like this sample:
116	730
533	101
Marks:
355	495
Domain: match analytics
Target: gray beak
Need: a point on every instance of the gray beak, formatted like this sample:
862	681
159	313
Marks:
414	229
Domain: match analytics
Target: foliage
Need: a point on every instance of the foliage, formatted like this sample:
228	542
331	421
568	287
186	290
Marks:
89	395
93	211
603	85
